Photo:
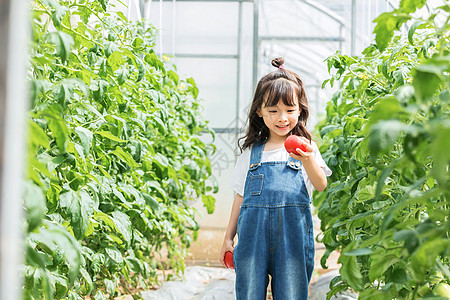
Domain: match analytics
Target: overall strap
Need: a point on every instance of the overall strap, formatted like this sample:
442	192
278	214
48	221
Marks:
256	155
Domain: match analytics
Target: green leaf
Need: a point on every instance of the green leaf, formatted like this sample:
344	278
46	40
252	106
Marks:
110	136
160	124
51	3
209	202
104	4
79	207
123	225
425	84
350	271
137	42
366	193
63	43
387	23
331	130
409	237
110	286
131	191
439	152
445	8
154	61
92	58
57	126
60	283
57	239
382	178
380	265
359	252
115	60
126	157
400	276
123	74
374	294
37	136
428	77
35	205
59	14
63	93
410	6
353	125
400	75
99	215
141	69
151	202
412	30
119	195
115	255
85	136
110	48
122	16
383	135
99	295
87	278
38	87
425	256
99	89
174	76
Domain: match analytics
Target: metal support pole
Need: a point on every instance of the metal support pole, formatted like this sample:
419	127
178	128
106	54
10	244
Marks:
255	41
238	71
13	58
174	18
160	29
353	35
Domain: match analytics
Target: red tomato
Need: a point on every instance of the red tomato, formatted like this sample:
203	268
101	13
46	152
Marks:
293	142
229	260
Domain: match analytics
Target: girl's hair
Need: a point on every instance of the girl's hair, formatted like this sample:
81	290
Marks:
283	85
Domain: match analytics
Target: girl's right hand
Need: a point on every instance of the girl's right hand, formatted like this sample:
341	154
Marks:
228	245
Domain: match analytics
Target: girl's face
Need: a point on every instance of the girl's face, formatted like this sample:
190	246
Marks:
280	119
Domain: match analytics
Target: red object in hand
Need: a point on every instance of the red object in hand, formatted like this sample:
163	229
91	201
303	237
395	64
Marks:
293	142
229	260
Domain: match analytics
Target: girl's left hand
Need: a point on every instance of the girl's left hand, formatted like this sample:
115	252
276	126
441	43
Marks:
303	155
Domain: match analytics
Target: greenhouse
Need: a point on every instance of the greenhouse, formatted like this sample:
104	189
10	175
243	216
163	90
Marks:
224	149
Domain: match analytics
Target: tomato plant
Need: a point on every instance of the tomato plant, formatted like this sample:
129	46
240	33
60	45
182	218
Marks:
386	140
115	155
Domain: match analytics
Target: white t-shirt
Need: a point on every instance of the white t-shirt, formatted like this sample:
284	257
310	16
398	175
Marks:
243	161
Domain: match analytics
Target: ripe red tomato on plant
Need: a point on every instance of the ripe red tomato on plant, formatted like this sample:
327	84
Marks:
293	142
229	260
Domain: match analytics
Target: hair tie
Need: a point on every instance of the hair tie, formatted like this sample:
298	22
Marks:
281	67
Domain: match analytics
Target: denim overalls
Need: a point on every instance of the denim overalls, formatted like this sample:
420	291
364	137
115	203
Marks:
275	231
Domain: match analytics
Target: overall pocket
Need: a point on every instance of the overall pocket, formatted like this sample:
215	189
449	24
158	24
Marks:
255	184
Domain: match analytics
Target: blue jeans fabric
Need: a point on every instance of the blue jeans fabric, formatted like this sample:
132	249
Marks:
275	231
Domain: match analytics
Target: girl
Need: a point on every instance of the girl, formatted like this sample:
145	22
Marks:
271	212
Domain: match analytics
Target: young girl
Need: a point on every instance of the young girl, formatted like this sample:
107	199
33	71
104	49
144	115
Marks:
271	211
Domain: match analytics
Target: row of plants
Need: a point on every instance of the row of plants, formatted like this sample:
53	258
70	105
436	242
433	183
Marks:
115	155
386	139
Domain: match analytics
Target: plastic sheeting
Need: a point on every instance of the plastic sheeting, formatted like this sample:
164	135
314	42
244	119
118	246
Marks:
200	283
318	290
206	283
